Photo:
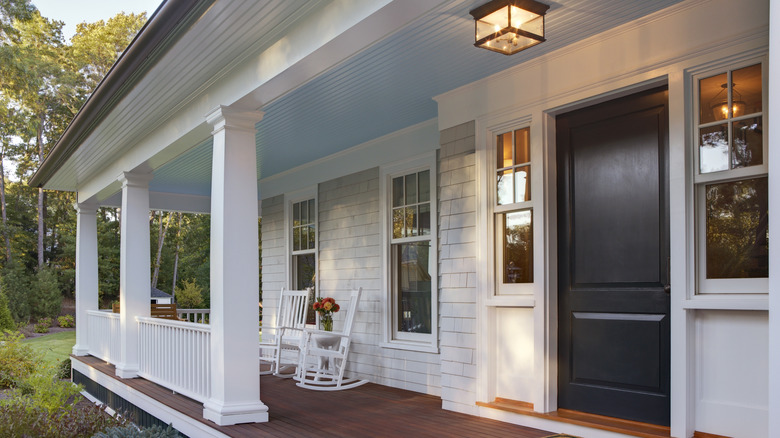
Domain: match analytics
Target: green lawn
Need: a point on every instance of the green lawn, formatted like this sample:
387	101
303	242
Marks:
54	347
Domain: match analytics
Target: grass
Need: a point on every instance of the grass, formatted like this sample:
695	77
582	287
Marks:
54	347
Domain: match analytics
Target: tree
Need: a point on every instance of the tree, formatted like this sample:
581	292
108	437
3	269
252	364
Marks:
189	296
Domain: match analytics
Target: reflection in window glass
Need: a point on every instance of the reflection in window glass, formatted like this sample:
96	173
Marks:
304	276
504	151
522	184
737	229
411	199
748	143
518	247
713	149
504	190
413	283
746	90
513	150
712	93
522	146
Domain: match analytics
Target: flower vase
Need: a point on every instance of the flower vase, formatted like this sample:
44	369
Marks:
326	322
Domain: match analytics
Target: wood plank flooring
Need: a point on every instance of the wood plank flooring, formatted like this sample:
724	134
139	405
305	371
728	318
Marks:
369	410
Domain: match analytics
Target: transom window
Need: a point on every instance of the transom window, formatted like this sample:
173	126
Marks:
513	213
731	182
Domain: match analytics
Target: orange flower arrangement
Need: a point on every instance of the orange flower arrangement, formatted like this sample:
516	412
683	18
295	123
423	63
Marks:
326	307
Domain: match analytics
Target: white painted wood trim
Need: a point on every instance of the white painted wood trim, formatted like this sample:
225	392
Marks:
773	119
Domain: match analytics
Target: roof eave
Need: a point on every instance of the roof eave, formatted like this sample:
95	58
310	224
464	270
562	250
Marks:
171	19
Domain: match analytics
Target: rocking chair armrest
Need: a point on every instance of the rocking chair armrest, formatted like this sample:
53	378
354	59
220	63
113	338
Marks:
309	331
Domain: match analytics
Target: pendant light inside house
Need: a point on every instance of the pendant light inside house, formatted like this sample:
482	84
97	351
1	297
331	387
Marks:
720	104
509	26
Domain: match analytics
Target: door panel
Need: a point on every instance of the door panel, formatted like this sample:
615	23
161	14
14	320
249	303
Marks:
613	258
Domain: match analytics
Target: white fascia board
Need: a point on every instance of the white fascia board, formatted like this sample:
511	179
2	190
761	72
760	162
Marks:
409	142
161	201
646	46
340	30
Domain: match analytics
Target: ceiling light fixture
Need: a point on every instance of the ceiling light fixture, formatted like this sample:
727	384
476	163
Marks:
509	26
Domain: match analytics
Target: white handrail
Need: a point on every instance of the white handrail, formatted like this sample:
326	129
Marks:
194	315
103	335
176	355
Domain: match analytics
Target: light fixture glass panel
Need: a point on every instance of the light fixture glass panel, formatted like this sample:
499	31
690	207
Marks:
712	93
504	187
713	149
746	90
493	23
534	24
521	17
522	146
747	147
523	184
504	150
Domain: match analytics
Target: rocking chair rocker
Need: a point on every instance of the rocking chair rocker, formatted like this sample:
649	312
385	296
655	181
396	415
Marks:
282	346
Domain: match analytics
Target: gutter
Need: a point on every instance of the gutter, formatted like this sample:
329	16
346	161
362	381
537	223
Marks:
163	29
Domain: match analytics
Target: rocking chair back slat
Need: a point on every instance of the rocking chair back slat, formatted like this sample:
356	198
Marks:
281	342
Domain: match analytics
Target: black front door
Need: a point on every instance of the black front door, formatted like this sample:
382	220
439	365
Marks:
613	258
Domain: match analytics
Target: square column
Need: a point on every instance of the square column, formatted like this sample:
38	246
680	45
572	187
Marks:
86	273
774	219
235	381
134	268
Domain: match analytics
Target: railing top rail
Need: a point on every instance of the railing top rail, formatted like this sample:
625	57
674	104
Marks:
103	314
193	310
171	323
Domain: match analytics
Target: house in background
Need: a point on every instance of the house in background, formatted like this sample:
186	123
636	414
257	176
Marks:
579	227
160	297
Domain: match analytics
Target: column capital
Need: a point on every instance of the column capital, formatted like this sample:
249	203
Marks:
133	179
225	116
88	207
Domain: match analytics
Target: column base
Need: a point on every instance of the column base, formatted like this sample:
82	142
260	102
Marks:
80	350
124	371
235	413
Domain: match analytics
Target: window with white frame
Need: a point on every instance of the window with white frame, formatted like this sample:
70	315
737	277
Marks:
411	249
303	231
731	181
513	213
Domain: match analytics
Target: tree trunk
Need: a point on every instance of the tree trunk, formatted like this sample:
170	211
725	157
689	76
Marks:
41	206
160	240
6	235
176	258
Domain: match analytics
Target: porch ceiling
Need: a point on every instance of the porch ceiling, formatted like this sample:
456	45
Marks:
382	89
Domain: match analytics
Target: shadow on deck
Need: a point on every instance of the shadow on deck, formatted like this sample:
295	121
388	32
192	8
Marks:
370	410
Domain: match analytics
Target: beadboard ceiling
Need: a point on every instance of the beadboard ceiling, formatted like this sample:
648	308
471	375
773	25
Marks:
384	88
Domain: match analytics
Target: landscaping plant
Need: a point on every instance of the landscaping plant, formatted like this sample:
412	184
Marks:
66	321
17	361
43	325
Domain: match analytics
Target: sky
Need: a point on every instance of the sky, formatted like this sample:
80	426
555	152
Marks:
73	12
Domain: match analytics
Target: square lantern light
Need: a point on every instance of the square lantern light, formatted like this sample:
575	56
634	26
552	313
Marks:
509	26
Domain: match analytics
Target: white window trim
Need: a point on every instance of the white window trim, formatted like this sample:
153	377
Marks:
416	342
723	286
289	200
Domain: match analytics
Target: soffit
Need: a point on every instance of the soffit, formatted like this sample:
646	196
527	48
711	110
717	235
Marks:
382	89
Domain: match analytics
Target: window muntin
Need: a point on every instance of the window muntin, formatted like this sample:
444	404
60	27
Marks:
513	217
412	266
731	183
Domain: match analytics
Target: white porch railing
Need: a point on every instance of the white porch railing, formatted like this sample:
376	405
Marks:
103	335
195	315
177	355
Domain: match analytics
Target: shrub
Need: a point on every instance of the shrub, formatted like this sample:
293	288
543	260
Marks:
46	298
189	296
43	325
24	419
63	369
15	284
43	389
66	321
131	431
17	360
6	319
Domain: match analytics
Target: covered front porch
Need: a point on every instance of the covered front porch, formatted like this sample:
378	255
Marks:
371	410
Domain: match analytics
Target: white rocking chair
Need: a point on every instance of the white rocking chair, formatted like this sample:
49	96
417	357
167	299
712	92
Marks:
280	346
324	355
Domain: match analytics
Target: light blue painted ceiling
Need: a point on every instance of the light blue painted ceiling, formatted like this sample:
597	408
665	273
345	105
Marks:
391	86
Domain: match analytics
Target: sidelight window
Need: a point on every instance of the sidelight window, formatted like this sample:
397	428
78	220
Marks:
731	181
303	230
513	213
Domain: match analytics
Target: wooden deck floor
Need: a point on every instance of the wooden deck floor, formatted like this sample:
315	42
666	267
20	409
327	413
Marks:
369	410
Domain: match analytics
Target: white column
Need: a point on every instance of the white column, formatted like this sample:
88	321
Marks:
235	382
134	268
774	218
86	273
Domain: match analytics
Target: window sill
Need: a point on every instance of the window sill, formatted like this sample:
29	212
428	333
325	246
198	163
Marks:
422	347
